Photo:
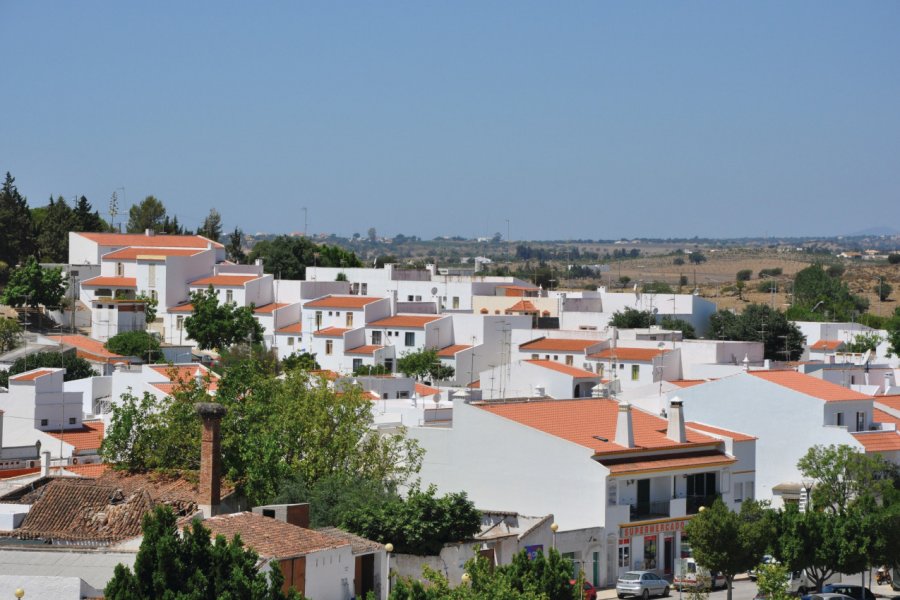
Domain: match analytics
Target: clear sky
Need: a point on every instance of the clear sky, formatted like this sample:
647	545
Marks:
569	119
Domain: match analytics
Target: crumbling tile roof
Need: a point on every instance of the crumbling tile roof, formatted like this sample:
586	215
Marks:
271	538
360	544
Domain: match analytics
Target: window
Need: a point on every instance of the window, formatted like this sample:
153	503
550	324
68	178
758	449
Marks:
612	492
365	289
624	554
72	420
556	357
179	322
860	421
120	270
455	301
349	319
621	366
103	292
738	492
376	338
839	419
329	346
701	484
318	319
291	341
410	338
409	298
535	356
151	275
43	422
153	295
600	368
229	296
748	490
418	298
570	360
357	364
635	372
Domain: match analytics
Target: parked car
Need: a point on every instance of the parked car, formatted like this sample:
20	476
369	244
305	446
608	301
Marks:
641	583
766	560
590	592
690	575
828	596
857	592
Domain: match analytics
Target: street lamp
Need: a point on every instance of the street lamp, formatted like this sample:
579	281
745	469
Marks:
466	578
554	527
20	593
389	547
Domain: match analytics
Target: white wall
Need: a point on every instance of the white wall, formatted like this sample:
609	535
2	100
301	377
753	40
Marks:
329	574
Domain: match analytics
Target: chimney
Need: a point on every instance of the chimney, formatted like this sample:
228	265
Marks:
624	430
675	432
888	383
210	457
292	514
746	362
149	232
45	463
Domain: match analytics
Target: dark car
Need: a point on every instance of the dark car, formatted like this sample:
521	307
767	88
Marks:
590	592
857	592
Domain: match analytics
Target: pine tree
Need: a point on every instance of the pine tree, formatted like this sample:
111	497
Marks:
85	220
53	232
235	247
212	226
17	239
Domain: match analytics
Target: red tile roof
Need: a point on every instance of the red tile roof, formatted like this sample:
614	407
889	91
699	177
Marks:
331	332
185	308
368	350
450	351
579	420
628	354
686	383
426	390
667	462
126	282
87	437
135	253
408	321
879	441
558	344
350	302
271	538
90	471
87	348
880	416
523	306
891	400
180	374
10	473
811	386
225	280
327	374
150	241
292	328
735	435
564	369
827	345
267	309
31	375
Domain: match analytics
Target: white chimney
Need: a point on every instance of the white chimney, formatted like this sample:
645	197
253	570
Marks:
888	382
746	362
624	430
675	432
45	463
149	232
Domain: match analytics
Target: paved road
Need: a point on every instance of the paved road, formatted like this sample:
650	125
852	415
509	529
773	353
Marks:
744	589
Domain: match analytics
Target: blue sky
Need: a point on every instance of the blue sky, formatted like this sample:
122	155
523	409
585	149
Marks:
572	120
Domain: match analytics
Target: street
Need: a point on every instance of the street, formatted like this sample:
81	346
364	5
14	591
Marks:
744	589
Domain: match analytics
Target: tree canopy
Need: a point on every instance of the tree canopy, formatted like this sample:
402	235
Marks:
673	324
10	334
191	565
33	285
17	232
135	343
211	228
149	213
218	326
76	368
631	318
424	364
53	231
288	256
820	295
234	248
759	323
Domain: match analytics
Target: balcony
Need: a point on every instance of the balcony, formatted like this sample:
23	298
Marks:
695	502
649	510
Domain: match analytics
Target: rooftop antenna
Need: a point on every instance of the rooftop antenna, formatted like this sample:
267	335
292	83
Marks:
305	222
113	209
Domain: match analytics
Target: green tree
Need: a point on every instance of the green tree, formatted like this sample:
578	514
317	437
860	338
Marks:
150	305
759	323
17	238
657	287
812	541
841	474
32	285
213	325
135	343
424	364
892	325
211	228
421	524
863	342
697	258
744	275
234	249
821	295
190	565
673	324
287	256
335	496
53	232
883	290
894	258
148	214
371	370
10	334
87	219
772	581
76	368
730	542
631	318
305	361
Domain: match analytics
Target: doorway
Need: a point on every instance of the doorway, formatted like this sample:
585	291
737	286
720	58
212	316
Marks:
643	497
668	555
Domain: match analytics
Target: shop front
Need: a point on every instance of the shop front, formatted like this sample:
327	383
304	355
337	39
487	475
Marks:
650	546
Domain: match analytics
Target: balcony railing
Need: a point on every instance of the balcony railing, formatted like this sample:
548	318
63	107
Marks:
695	502
647	510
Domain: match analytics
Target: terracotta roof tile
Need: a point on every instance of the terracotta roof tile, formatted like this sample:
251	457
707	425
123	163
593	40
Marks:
224	280
579	420
181	308
123	282
89	471
10	473
31	375
891	401
87	347
667	462
827	345
150	241
367	350
558	344
292	328
407	321
331	332
628	354
360	544
523	306
180	374
811	386
879	441
267	309
135	253
686	383
87	437
346	302
426	390
272	538
450	351
327	374
561	368
880	416
735	435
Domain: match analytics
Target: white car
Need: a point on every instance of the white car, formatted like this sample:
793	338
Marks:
641	583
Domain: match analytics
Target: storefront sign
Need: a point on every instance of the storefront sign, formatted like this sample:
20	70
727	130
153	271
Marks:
532	551
655	528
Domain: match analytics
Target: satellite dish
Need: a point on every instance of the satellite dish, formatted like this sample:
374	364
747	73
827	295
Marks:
434	291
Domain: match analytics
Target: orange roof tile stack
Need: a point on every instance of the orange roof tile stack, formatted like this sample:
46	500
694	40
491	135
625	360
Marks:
811	386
